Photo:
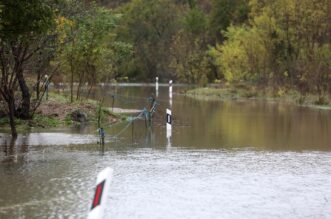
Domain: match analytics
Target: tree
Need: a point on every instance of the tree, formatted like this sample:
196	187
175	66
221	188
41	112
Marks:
149	25
195	21
188	50
92	52
22	22
224	13
287	43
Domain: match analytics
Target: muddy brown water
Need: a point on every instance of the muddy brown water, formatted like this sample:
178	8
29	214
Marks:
233	159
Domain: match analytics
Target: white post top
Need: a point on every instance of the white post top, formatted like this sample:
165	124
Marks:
157	78
170	82
168	111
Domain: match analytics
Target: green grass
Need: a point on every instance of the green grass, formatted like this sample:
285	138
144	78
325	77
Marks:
222	93
4	121
44	121
38	121
68	121
60	98
41	121
281	94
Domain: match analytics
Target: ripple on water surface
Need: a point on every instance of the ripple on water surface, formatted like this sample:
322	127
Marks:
51	138
175	183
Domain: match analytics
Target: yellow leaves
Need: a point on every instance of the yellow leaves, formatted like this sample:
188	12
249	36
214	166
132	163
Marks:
303	78
233	60
241	56
285	74
265	23
62	26
280	92
62	21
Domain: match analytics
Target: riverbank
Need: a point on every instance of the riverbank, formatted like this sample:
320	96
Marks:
226	92
58	111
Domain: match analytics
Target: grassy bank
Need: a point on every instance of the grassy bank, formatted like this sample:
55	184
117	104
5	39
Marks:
247	92
57	111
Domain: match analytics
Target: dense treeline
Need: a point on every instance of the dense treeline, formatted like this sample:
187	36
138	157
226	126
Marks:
269	43
279	43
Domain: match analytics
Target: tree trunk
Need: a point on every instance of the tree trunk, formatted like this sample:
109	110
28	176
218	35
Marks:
72	86
11	106
38	85
72	70
89	91
81	79
24	112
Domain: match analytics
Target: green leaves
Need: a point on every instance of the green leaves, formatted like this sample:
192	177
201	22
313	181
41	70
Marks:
25	18
92	53
149	26
227	12
195	21
284	44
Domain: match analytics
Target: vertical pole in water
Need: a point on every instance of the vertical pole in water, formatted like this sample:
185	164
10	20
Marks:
112	106
102	139
169	127
98	206
149	120
169	123
170	89
145	116
170	93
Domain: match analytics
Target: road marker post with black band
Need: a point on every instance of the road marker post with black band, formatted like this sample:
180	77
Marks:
169	122
98	207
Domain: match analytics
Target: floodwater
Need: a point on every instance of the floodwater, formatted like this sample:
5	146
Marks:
234	159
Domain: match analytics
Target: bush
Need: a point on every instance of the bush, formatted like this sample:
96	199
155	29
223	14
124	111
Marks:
321	101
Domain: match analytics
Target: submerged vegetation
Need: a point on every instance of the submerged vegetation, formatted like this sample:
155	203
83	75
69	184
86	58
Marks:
281	45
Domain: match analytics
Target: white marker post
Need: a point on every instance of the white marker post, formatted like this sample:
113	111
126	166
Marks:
169	123
169	128
98	206
170	93
170	89
157	86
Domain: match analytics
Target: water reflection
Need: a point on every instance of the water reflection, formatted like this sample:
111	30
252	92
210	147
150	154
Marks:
13	152
10	151
169	143
265	125
150	138
204	124
63	137
232	124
